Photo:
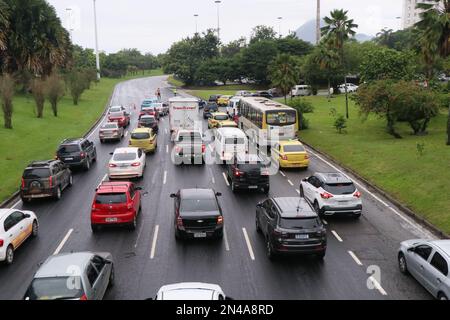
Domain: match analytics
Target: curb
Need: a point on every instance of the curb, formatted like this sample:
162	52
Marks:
15	196
405	209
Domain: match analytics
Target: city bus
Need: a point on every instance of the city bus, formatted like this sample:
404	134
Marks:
266	121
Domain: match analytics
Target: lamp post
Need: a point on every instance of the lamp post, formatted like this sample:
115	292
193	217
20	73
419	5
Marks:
318	23
70	22
400	22
218	2
97	56
279	25
196	23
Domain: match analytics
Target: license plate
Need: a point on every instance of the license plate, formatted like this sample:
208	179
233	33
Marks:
200	235
68	159
111	220
253	187
343	202
123	165
301	236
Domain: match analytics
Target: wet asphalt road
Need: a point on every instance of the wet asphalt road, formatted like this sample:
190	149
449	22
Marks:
150	257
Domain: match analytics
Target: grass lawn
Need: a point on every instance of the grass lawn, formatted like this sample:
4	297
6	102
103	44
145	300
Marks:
37	139
422	182
204	94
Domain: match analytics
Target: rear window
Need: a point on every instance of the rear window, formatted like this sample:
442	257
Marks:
57	288
304	223
110	198
339	188
221	117
192	136
148	120
116	114
293	148
115	109
202	205
36	173
140	135
110	126
124	156
71	148
234	141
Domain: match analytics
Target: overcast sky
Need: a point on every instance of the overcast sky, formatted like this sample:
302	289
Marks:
153	25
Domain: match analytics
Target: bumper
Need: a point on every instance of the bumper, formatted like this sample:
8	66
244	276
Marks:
75	164
109	137
145	148
120	219
294	164
300	249
124	174
353	210
3	254
210	233
250	186
46	193
189	159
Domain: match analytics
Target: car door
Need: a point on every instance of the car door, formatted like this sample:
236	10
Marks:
135	198
271	214
23	226
142	158
176	207
417	260
435	272
58	178
63	174
309	188
92	275
263	216
104	271
12	230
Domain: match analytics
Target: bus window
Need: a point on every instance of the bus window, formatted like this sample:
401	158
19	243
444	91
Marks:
281	117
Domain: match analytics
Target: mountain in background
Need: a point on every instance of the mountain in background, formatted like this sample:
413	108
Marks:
307	32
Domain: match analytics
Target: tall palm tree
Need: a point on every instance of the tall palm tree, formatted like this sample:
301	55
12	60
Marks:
4	24
384	36
328	60
283	72
338	29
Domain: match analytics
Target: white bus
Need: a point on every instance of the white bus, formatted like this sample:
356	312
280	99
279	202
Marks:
266	121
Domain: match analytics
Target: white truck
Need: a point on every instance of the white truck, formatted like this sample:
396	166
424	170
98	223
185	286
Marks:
183	114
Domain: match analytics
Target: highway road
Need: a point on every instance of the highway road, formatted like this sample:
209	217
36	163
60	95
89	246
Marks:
360	262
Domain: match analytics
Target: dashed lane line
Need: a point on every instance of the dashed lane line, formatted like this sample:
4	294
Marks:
63	242
336	236
225	178
225	236
165	177
249	245
155	239
355	258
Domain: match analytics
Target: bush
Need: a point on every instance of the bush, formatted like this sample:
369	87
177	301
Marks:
340	123
302	106
76	82
38	91
7	85
54	90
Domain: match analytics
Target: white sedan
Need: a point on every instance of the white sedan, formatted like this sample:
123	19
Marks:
16	226
127	163
191	291
350	88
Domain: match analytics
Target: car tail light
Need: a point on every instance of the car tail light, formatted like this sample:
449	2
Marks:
284	157
83	297
179	222
357	194
1	243
326	195
264	172
136	164
306	156
50	181
219	220
56	157
203	148
237	173
112	165
178	149
82	155
23	183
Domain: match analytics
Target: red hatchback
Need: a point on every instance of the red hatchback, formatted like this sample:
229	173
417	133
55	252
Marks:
116	203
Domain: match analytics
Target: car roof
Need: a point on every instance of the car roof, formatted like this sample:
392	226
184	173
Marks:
183	100
62	265
289	142
40	164
220	114
5	212
142	130
126	150
444	245
72	140
197	194
333	177
231	132
294	207
248	157
108	187
189	291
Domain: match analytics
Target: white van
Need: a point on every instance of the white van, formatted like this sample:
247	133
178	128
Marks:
183	114
232	108
301	90
228	142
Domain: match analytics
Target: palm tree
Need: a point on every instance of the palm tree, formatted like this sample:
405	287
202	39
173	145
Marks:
4	24
283	72
338	29
384	36
327	60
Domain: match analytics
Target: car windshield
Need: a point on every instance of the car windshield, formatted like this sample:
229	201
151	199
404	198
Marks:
294	148
110	198
148	120
140	135
339	188
116	114
124	156
198	205
115	109
189	136
221	117
70	148
234	141
303	223
57	288
36	173
110	126
282	117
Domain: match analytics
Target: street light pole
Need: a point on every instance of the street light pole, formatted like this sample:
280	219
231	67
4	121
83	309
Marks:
196	23
318	23
97	56
70	25
218	17
279	26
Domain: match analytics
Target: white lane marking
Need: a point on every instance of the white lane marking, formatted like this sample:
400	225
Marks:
211	148
336	236
167	148
378	286
290	182
225	178
324	222
165	177
298	191
282	173
213	180
249	245
126	134
16	204
155	238
63	242
165	130
225	236
138	236
355	258
104	177
410	222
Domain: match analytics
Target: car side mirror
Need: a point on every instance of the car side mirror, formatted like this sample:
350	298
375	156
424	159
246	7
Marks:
108	262
412	249
138	188
173	195
218	194
27	216
111	153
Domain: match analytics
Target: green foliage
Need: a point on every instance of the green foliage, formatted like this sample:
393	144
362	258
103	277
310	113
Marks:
7	84
38	91
262	33
283	72
302	106
76	82
54	90
256	59
340	123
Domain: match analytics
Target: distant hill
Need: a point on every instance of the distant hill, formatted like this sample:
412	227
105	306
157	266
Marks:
307	32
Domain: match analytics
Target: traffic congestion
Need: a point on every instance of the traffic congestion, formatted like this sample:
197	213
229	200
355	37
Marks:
190	178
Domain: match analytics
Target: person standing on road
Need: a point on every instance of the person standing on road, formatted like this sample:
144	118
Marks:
175	91
158	94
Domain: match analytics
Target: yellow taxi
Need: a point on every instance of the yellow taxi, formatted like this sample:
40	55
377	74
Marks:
145	139
227	124
223	100
217	118
290	154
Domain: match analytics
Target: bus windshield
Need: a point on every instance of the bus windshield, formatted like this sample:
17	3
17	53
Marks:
281	118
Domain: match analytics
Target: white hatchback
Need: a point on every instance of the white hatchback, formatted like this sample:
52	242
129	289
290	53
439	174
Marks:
191	291
16	226
127	163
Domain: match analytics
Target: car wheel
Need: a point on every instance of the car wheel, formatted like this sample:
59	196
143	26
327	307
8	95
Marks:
219	235
112	277
87	166
266	190
102	141
302	193
58	193
269	250
25	200
402	263
9	255
133	225
233	187
317	208
321	255
258	227
178	235
442	296
34	229
357	216
94	228
70	181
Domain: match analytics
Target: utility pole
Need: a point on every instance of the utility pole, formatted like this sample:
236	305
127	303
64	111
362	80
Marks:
97	56
318	23
279	26
196	23
218	17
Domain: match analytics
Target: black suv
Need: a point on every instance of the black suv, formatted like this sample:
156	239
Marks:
210	109
77	153
248	172
43	179
197	214
290	225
